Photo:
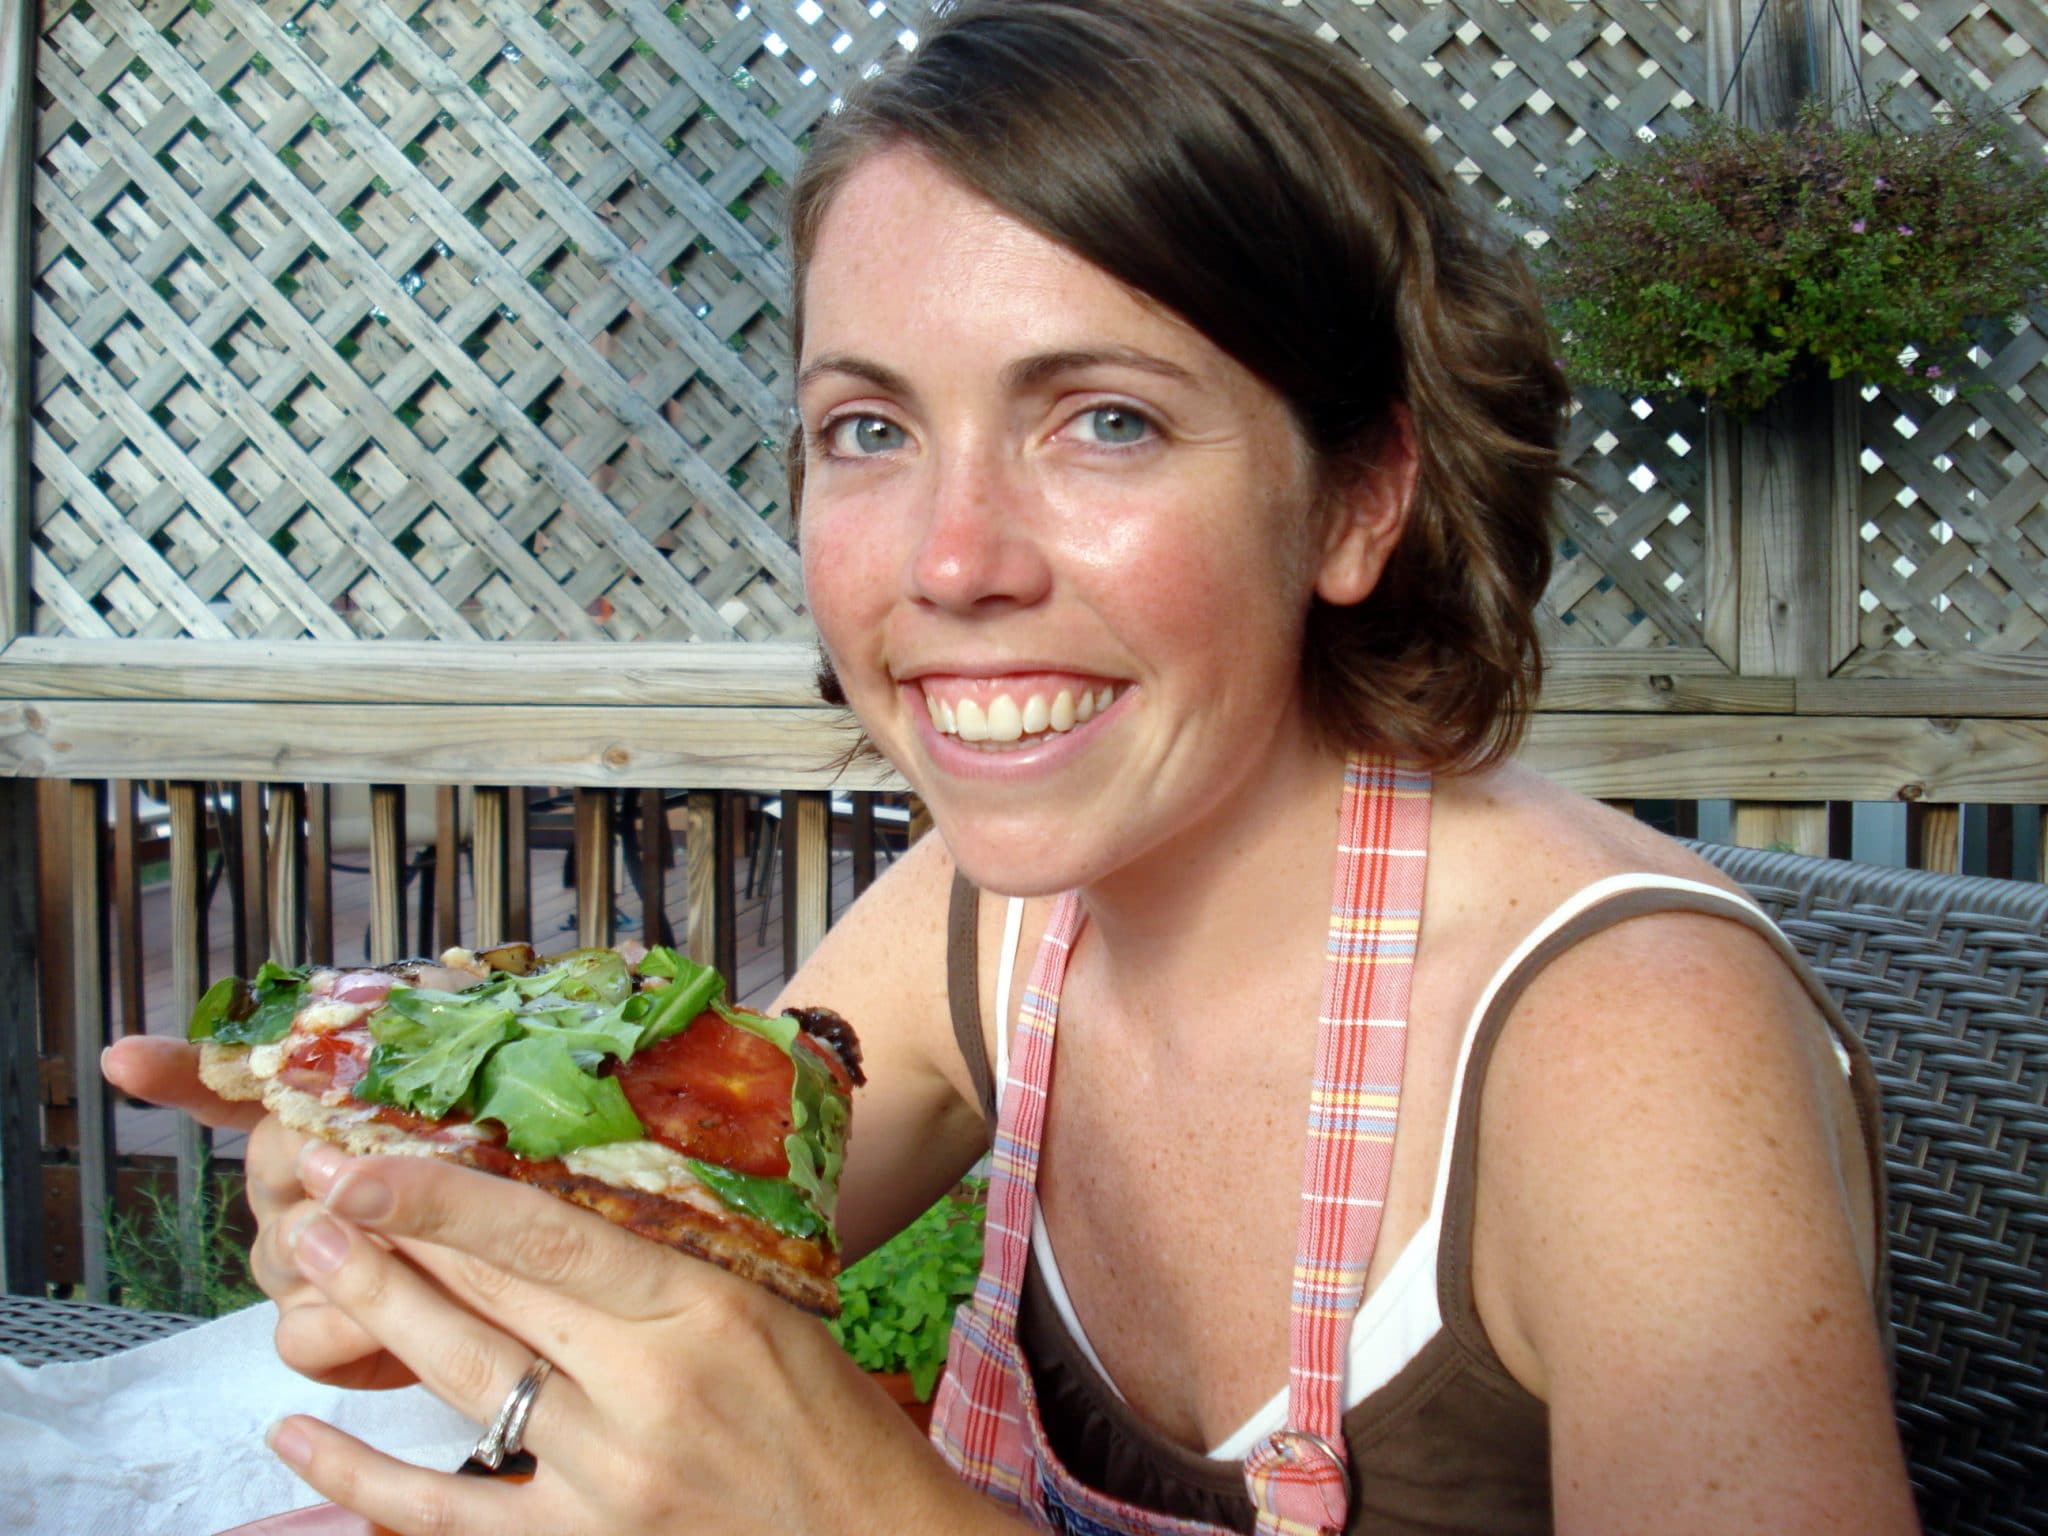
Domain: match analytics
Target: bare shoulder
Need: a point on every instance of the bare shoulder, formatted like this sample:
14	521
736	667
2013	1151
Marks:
1675	1229
1523	843
882	966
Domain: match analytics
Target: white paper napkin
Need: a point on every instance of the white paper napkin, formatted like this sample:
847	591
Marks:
168	1437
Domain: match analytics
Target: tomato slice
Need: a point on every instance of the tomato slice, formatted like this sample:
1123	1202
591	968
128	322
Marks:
715	1092
320	1062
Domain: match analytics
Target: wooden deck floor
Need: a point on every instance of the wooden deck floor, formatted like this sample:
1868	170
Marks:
144	1130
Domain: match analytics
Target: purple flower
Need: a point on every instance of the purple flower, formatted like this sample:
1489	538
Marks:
1856	228
1933	372
1879	183
1905	229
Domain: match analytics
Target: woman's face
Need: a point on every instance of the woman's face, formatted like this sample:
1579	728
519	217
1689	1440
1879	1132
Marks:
1058	545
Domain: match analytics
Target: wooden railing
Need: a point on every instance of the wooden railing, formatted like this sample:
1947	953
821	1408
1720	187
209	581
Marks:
223	762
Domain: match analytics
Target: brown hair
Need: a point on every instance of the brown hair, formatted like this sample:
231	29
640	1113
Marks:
1221	160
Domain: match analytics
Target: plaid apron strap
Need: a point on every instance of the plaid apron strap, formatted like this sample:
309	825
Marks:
1296	1477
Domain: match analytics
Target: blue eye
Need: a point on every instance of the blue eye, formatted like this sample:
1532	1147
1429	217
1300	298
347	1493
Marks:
863	436
1115	426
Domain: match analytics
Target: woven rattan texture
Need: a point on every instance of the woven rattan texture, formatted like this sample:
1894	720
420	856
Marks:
1946	979
37	1332
462	318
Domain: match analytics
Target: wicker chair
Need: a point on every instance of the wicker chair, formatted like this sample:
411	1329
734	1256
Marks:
1946	979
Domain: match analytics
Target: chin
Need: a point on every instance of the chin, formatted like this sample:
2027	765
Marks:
1014	862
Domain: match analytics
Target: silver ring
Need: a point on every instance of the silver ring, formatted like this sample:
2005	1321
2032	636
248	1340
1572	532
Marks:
507	1434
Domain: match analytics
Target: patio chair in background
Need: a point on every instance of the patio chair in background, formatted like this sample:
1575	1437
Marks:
1945	977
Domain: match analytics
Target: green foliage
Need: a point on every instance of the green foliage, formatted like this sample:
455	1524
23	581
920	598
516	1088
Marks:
162	1262
896	1305
1724	260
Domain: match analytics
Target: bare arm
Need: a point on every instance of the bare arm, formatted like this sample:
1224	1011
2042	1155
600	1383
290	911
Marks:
916	1127
1675	1240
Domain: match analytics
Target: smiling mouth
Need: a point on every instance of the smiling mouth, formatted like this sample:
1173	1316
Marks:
1013	717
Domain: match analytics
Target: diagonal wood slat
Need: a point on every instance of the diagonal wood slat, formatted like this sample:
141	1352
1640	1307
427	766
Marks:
464	319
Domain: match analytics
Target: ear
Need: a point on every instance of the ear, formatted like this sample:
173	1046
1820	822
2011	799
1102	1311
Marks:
1367	517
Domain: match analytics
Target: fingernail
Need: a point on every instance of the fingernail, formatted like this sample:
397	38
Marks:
318	1245
318	1164
289	1443
360	1197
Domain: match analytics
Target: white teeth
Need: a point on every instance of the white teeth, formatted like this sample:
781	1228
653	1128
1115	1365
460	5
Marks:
1003	720
1004	723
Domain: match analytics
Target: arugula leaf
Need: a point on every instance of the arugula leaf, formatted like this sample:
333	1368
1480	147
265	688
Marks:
589	1035
216	1007
582	976
692	988
259	1012
549	1105
817	1145
430	1046
776	1201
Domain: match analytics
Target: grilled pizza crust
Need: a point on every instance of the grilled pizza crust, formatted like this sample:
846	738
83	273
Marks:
798	1270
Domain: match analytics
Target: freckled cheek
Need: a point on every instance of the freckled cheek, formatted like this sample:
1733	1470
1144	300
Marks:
846	584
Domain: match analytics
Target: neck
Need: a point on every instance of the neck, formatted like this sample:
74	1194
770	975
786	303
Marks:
1243	894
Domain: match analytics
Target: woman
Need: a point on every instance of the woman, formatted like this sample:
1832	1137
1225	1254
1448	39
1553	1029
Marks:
1175	463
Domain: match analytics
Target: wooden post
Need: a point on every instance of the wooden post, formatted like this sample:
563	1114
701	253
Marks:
654	865
319	875
22	1269
447	867
1934	836
127	906
250	827
387	873
863	838
1797	828
806	874
89	1030
287	874
188	980
487	867
594	915
52	929
1787	476
518	868
711	928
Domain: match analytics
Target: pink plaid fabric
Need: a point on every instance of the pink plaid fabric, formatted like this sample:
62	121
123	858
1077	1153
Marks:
985	1421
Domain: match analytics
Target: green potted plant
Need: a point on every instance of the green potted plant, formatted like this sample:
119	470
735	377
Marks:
896	1305
1726	260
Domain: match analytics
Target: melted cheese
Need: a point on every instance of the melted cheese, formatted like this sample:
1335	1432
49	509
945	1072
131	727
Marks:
326	1018
268	1060
644	1165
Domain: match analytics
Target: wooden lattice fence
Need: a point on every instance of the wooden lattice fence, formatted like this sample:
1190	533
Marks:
461	320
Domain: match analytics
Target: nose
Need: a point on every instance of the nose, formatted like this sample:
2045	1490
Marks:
980	542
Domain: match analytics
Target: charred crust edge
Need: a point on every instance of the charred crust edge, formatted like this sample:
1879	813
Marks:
827	1027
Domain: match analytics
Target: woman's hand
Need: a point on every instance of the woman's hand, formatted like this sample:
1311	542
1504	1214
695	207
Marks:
313	1338
682	1398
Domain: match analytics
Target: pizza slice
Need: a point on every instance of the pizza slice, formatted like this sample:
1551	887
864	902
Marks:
630	1088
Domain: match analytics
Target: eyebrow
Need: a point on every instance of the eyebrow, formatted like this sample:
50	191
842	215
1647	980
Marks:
1024	373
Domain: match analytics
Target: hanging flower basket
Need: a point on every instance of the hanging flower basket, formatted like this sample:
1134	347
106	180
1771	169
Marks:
1726	260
